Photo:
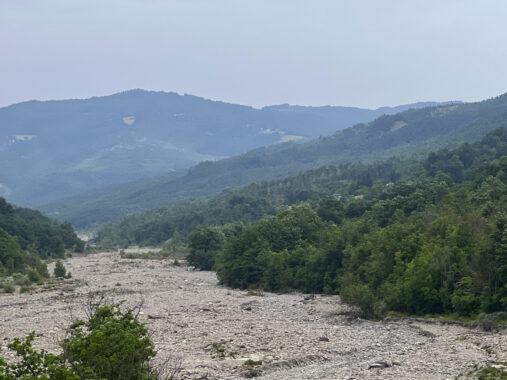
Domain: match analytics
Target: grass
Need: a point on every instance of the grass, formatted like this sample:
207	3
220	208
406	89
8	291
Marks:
220	350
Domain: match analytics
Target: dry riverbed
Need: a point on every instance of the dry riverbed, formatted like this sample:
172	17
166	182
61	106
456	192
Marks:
212	331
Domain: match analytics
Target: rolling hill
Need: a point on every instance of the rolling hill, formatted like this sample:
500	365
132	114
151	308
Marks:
412	132
54	149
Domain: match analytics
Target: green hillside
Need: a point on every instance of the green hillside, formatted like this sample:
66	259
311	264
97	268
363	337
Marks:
416	237
27	237
354	183
412	132
54	149
429	246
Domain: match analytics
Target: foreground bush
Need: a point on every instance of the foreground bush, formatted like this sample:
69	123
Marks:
112	344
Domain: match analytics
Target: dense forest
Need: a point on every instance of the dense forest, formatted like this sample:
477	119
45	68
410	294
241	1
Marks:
435	245
408	133
413	237
27	237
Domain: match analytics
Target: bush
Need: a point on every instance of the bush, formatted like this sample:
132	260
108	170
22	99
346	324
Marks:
204	243
111	345
42	269
59	270
34	276
8	287
21	280
363	297
34	365
25	289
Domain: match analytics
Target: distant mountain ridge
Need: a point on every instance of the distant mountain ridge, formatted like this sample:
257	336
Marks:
415	131
53	149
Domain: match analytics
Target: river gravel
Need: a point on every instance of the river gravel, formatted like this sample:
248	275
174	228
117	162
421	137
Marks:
211	331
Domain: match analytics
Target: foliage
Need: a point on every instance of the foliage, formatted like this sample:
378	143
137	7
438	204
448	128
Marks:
32	229
431	245
159	133
248	204
59	270
34	365
491	373
414	131
8	287
111	345
26	239
204	242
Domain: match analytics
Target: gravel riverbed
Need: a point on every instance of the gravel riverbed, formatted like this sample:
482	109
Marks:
211	331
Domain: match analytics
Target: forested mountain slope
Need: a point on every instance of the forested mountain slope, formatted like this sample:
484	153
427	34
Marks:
53	149
26	237
354	186
415	131
434	244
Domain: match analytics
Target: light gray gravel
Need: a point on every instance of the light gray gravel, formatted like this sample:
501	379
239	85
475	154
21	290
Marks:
295	336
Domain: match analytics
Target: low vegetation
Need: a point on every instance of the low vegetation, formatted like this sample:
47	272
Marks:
111	344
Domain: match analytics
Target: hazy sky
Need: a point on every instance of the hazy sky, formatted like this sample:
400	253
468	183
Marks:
256	52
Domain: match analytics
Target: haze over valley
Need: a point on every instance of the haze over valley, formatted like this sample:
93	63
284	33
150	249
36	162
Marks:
67	147
195	190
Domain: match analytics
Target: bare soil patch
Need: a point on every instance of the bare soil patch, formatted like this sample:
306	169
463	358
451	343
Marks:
220	333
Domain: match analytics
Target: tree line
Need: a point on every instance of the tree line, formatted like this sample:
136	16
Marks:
27	238
434	244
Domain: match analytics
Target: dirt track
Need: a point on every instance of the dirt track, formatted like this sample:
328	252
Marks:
294	336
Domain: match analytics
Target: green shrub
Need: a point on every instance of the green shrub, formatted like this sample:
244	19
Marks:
42	269
34	365
59	270
111	345
25	289
204	243
363	297
492	373
8	287
21	280
33	275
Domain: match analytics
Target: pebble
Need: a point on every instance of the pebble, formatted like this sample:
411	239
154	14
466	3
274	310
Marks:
278	329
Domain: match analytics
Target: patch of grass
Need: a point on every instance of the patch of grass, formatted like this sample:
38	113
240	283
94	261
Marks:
25	289
69	288
219	350
488	349
176	263
252	363
21	280
252	372
130	263
491	373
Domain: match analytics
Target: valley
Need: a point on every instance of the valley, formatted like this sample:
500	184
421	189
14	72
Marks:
210	331
284	190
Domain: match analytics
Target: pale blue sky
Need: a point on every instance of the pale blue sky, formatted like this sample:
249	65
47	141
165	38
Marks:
257	52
